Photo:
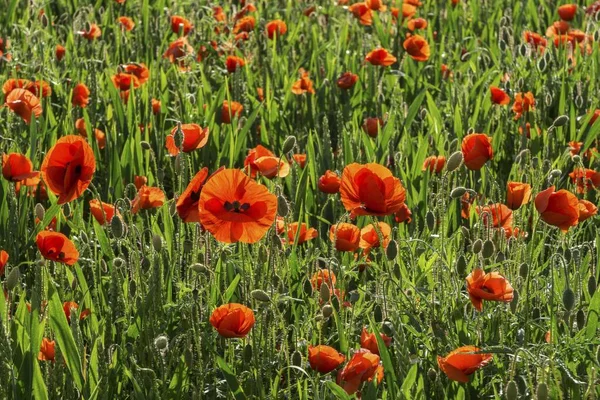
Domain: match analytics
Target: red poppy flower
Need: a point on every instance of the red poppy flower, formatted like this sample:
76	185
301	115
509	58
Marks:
60	52
23	103
303	85
17	167
55	246
231	110
81	96
324	359
187	203
40	88
434	164
371	189
403	214
181	25
380	57
501	215
587	209
124	81
139	181
491	286
362	12
177	51
126	22
477	150
517	194
271	167
71	305
275	28
347	80
416	23
232	320
139	70
362	367
12	84
370	236
3	261
68	168
234	208
408	11
585	179
461	363
147	197
247	9
218	14
567	12
155	106
499	96
371	126
194	138
417	48
47	350
302	231
323	276
102	212
245	24
369	341
91	34
254	154
329	182
523	103
300	159
535	39
560	209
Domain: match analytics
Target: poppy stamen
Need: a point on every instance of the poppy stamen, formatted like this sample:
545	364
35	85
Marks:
236	206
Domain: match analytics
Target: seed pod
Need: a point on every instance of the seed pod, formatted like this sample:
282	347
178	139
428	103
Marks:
145	145
12	280
488	249
568	255
454	161
397	272
524	270
392	250
377	313
512	391
118	262
561	120
432	374
591	286
288	144
118	227
260	295
161	342
514	302
132	288
568	298
324	292
465	232
247	353
199	268
458	192
327	310
477	245
297	359
580	319
461	265
40	211
430	219
157	243
541	391
308	289
282	206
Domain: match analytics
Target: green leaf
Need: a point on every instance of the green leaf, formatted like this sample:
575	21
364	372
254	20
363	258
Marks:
592	320
232	286
231	379
338	392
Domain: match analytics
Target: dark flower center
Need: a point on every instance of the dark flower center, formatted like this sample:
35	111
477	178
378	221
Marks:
195	196
236	206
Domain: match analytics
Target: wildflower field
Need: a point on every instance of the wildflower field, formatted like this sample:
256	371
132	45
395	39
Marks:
388	199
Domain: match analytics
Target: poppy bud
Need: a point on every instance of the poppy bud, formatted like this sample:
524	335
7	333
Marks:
454	161
260	295
567	255
461	265
580	319
524	270
308	287
432	374
145	145
576	158
247	353
199	268
591	286
502	44
477	245
297	359
430	219
548	99
520	336
324	292
542	64
561	120
377	314
568	298
117	227
188	246
488	249
541	391
288	144
535	314
458	192
263	255
392	250
327	310
40	212
160	174
598	355
512	391
188	357
132	288
12	280
514	302
67	210
500	257
118	262
555	173
578	101
282	206
161	343
157	243
388	328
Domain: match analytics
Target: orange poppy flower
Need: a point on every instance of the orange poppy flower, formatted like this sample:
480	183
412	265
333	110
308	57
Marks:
347	80
126	22
523	103
123	81
17	167
139	181
415	3
461	363
323	276
68	168
100	138
177	51
139	70
567	12
362	367
502	216
517	194
300	159
417	23
194	138
499	96
187	203
434	164
47	350
491	286
408	11
60	52
380	57
477	150
91	34
403	214
69	305
12	84
535	39
3	261
587	209
371	189
231	110
232	63
417	48
324	359
363	12
232	320
560	209
275	28
271	167
247	9
376	5
218	14
245	24
329	182
155	106
181	25
302	231
303	85
55	246
369	341
40	88
254	154
369	237
81	96
234	208
585	179
23	103
102	212
147	197
371	126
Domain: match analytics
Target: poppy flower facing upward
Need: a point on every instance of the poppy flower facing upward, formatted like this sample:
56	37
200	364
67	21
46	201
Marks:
491	286
417	48
499	96
232	320
304	84
245	24
254	154
380	57
194	137
23	103
68	168
17	168
147	197
324	359
517	194
275	28
560	209
362	367
371	189
55	246
346	237
187	203
477	150
271	167
461	363
47	350
124	81
234	208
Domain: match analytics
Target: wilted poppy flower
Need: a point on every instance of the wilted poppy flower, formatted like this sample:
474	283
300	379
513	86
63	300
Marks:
587	209
91	34
501	215
17	167
567	12
517	194
560	209
499	96
369	341
362	367
323	276
329	182
55	246
194	137
302	231
371	126
380	57
147	197
177	51
275	28
187	203
300	159
347	80
403	214
253	155
585	179
434	164
71	305
461	363
491	286
304	84
3	261
245	24
232	320
81	95
271	167
233	63
68	168
234	208
23	103
523	103
181	25
124	81
324	359
369	236
47	350
417	48
416	23
477	150
371	189
60	52
362	12
126	22
308	11
139	70
230	110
